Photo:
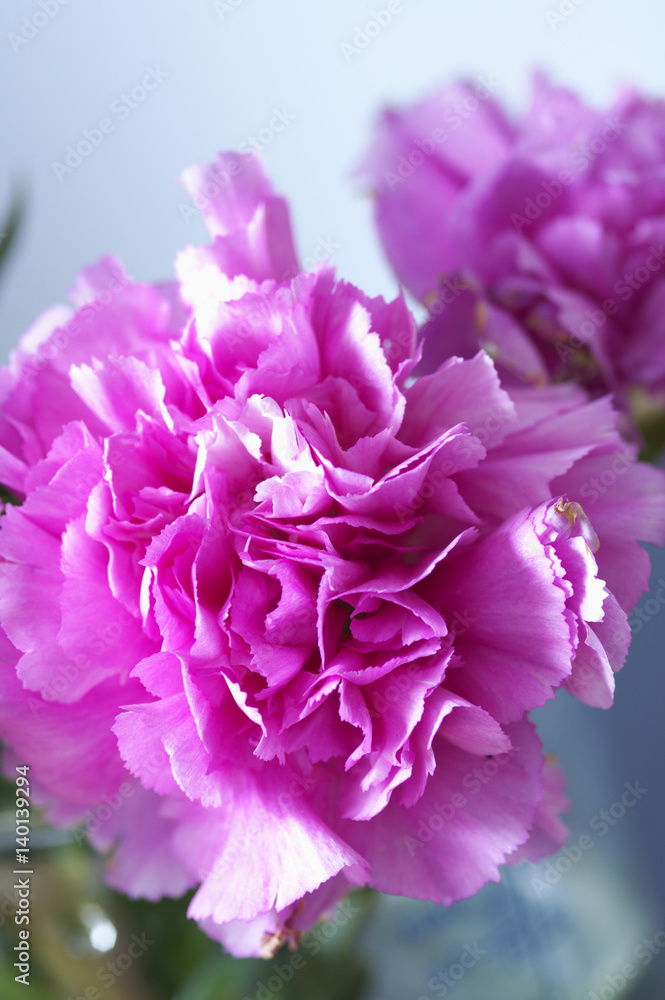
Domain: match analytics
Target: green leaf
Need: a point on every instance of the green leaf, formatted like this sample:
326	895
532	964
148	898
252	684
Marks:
12	225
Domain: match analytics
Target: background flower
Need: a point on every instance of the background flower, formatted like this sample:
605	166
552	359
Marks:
540	238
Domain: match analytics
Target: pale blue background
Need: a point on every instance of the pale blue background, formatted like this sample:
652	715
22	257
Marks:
226	75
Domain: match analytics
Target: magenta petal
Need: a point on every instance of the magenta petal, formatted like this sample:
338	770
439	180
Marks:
117	644
260	823
70	748
278	603
504	592
141	831
264	935
623	499
473	814
251	225
549	832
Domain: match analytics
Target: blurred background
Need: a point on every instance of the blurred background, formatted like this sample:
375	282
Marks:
180	82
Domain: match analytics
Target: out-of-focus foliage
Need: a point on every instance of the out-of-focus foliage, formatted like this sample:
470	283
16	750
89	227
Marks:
10	226
71	910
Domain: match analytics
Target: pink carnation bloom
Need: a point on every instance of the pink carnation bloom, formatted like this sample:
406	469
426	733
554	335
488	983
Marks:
542	239
274	612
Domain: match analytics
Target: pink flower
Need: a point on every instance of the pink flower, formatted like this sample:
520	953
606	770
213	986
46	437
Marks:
274	610
541	239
